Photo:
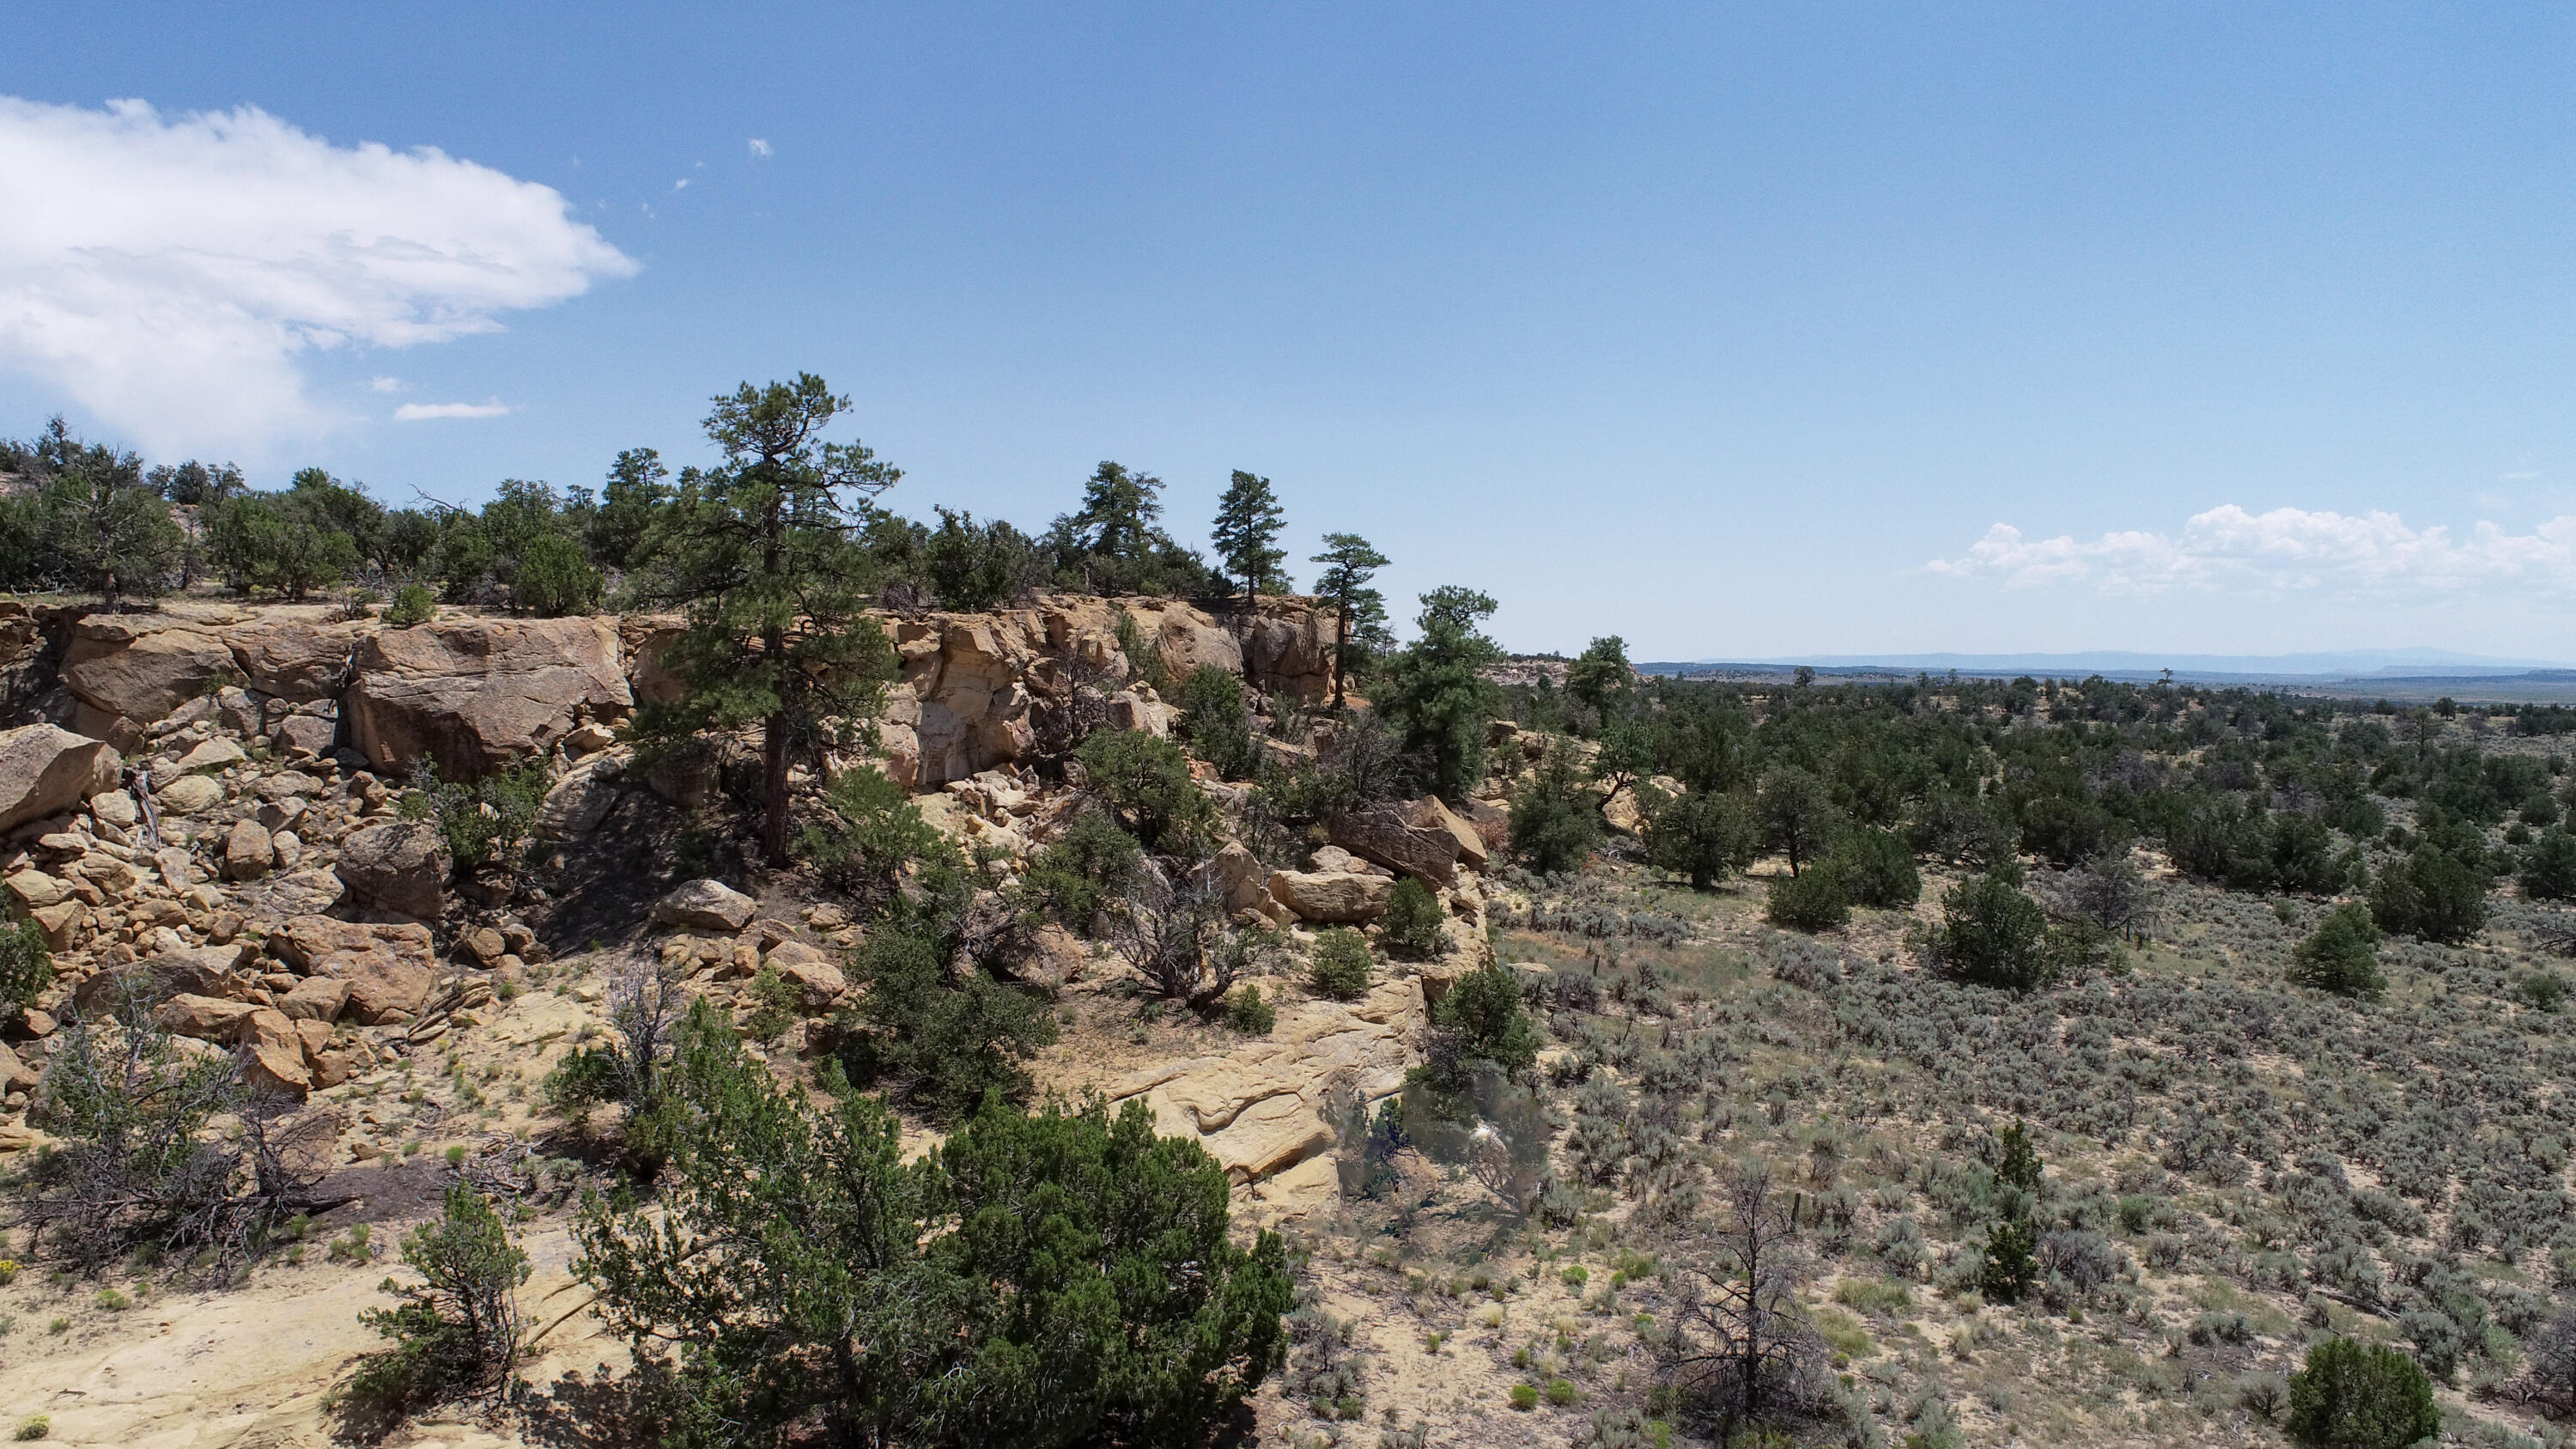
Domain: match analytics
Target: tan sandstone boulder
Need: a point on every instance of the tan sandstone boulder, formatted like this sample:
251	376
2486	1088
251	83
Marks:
299	660
398	866
1418	837
1332	897
45	770
474	693
706	905
248	851
389	968
198	971
140	667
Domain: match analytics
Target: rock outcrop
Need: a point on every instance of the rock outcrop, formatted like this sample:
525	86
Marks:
472	694
132	670
1260	1110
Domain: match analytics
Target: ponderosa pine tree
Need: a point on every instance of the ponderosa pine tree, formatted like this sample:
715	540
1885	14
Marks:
1246	535
1359	612
1442	700
1601	674
638	486
761	556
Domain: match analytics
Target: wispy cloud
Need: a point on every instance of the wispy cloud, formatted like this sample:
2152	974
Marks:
423	412
171	273
2286	550
386	384
759	147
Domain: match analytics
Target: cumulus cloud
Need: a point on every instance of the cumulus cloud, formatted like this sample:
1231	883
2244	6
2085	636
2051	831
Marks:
2287	550
386	384
759	147
423	412
173	273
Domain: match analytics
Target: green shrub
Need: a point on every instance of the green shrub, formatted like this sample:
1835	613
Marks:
1213	715
26	968
2360	1396
1524	1397
485	822
949	1037
554	578
2010	1267
1413	920
1247	1013
1483	1015
776	1004
974	566
1705	835
1556	817
413	604
1814	900
1340	968
2544	991
1992	933
2430	894
949	1291
1560	1392
2341	955
1877	869
1091	864
2549	870
870	832
34	1427
459	1326
1148	779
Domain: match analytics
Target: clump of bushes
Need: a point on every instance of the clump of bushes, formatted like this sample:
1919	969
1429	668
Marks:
1247	1013
2360	1396
459	1326
1813	900
2341	955
1413	920
1556	817
1340	967
821	1245
2431	894
1994	934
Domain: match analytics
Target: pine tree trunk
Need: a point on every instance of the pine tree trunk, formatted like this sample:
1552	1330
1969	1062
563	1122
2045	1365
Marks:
773	822
1341	647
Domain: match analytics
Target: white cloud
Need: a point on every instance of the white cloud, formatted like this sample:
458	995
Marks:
423	412
759	147
2286	550
170	273
680	185
386	384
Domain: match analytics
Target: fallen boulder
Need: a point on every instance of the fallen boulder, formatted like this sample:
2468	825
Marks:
399	866
1418	837
1333	897
45	771
706	905
389	969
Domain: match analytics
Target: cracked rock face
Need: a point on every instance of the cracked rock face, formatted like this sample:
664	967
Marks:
473	694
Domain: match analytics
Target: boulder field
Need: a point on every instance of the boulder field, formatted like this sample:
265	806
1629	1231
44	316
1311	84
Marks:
204	809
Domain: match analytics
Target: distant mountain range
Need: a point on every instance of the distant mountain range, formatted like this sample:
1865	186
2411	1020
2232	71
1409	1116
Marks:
2350	664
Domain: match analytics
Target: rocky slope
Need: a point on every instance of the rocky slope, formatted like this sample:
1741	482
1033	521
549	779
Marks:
202	803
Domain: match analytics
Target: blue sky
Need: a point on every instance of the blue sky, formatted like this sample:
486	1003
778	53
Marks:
1739	331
